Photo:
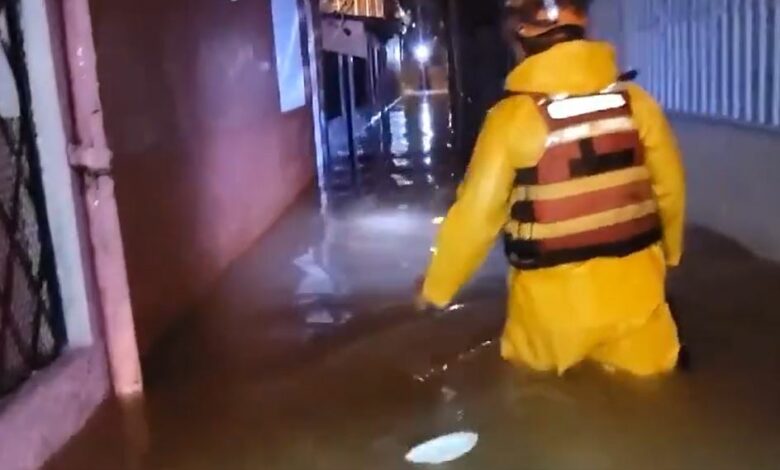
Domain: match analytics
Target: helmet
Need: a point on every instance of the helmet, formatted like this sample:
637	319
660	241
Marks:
528	11
550	26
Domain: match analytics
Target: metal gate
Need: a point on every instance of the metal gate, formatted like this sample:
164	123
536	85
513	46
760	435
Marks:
712	58
32	332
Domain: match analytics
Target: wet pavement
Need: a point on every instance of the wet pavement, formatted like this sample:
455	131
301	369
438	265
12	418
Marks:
308	355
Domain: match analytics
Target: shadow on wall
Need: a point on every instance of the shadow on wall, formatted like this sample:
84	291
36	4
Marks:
606	24
204	160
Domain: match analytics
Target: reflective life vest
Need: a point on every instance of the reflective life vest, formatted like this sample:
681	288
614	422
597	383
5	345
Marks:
590	195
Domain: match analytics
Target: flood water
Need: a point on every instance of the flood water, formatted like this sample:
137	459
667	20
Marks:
308	355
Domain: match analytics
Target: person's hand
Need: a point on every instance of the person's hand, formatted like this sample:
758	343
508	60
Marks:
421	304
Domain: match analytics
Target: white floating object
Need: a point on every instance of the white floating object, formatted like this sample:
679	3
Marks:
315	280
449	394
443	449
402	162
320	317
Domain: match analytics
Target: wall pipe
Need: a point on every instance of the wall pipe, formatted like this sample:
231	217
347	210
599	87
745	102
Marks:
92	158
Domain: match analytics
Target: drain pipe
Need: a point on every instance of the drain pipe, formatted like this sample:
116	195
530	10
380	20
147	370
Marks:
92	158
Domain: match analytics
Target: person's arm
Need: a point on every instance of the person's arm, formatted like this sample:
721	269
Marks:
469	231
664	161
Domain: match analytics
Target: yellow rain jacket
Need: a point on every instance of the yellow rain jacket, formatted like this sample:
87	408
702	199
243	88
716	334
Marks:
610	310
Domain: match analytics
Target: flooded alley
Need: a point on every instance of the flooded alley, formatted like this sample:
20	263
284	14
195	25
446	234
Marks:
309	355
216	220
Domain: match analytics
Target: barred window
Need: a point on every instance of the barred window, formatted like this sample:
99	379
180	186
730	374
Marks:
32	330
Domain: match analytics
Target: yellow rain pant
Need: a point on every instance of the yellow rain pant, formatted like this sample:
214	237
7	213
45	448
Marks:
610	310
622	323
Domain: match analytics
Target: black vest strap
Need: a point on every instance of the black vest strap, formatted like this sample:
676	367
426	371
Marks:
527	176
526	255
596	164
628	76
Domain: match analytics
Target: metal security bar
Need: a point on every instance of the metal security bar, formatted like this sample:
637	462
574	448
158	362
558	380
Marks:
714	58
32	333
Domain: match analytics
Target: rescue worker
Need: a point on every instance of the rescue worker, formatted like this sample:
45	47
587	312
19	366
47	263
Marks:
582	176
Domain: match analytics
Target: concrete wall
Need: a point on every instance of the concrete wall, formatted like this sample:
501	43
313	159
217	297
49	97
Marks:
733	184
204	160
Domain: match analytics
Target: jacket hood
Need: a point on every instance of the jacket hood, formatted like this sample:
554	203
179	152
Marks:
574	67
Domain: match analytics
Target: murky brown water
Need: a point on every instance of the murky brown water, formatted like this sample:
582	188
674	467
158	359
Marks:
308	355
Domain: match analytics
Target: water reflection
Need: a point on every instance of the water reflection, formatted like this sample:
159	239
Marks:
402	162
426	125
402	180
405	151
398	124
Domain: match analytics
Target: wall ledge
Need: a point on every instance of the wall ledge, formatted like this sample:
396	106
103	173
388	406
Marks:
38	419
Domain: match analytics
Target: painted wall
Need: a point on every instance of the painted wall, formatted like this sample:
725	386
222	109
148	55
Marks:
204	160
50	408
